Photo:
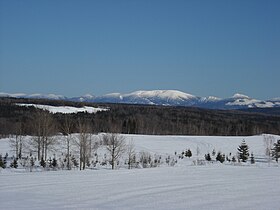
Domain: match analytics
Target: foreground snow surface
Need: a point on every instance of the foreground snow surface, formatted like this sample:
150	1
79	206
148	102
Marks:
192	187
185	186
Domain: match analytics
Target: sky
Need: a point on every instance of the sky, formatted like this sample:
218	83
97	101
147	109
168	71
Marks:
202	47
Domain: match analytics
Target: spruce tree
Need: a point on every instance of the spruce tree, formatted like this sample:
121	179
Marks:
2	165
14	164
43	163
188	153
220	157
252	159
276	150
243	151
208	157
54	163
32	163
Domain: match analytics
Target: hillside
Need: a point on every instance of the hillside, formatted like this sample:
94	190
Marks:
140	119
164	98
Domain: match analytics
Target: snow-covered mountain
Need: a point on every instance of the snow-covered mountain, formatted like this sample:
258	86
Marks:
36	95
166	98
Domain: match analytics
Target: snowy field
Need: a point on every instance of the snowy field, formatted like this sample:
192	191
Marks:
184	186
66	109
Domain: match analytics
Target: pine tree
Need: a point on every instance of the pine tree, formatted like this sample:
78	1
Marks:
233	159
188	153
32	163
14	164
208	157
276	150
43	163
220	157
213	152
252	159
54	163
50	162
243	151
2	165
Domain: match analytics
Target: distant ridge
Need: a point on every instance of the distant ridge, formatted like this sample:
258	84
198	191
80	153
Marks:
164	98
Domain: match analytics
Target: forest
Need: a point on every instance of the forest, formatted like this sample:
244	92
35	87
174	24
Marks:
138	119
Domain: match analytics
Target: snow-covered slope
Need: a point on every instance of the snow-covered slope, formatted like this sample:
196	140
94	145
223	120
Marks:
166	98
184	186
66	109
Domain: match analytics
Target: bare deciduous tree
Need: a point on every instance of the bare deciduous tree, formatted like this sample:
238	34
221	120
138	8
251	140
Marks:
116	146
66	128
268	143
131	154
44	129
17	142
83	143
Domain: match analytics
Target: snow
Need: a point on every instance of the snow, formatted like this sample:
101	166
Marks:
251	103
210	99
165	94
14	95
195	187
239	95
66	109
185	186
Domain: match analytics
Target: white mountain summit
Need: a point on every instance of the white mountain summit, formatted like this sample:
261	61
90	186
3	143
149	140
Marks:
164	97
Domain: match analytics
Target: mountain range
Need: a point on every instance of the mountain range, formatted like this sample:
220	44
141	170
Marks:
165	98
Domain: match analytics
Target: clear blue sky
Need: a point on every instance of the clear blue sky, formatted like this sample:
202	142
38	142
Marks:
200	47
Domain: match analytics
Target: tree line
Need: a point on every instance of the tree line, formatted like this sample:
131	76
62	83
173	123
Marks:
137	119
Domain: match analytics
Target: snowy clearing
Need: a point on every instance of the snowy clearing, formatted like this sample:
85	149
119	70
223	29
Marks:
194	187
66	109
184	186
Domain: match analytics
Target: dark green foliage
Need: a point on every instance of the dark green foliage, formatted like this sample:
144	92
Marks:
220	157
50	162
74	161
213	152
276	150
32	162
233	159
252	158
208	157
243	151
14	164
188	153
5	160
43	163
54	163
2	164
143	119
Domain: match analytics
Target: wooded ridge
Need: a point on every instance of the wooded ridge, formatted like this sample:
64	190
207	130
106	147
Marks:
141	119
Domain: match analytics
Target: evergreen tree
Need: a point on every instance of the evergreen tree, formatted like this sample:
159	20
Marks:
208	157
220	157
188	153
14	164
233	159
54	163
243	151
50	162
5	160
252	159
1	162
74	161
32	163
43	162
213	152
276	150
